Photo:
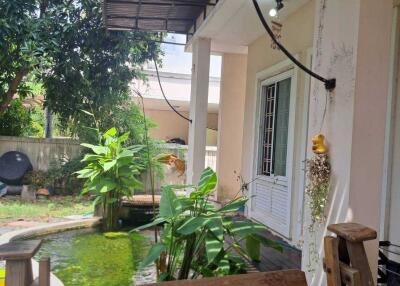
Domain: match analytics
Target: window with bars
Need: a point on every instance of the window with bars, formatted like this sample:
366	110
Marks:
274	128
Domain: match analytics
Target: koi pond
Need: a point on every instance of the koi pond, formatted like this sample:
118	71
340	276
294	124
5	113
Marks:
89	258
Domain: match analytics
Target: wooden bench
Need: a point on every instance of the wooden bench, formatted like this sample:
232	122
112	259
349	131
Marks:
18	257
276	278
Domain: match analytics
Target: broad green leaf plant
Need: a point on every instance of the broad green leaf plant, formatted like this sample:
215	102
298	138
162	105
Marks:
200	239
111	172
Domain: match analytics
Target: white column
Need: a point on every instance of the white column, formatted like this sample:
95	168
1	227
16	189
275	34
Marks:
198	109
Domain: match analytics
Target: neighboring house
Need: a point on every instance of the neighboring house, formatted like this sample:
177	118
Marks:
175	76
356	42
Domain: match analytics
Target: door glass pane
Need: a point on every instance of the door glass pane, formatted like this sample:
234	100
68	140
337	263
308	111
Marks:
281	127
268	132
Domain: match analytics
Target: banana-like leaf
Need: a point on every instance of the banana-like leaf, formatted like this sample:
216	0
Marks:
86	173
108	165
96	149
110	132
213	246
234	205
253	248
267	242
244	228
208	181
106	186
154	253
90	157
155	222
125	153
210	207
123	137
223	266
215	226
193	224
170	205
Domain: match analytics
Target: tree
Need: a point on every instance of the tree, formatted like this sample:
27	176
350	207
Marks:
25	43
65	44
92	67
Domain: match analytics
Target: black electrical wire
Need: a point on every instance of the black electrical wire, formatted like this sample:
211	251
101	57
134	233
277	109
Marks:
330	84
163	94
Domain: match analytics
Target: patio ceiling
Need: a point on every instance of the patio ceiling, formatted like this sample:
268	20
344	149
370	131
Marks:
176	16
233	25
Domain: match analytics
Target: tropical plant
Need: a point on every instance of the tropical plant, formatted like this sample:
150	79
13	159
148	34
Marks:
200	239
111	172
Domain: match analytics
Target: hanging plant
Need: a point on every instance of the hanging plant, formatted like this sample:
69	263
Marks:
318	171
318	175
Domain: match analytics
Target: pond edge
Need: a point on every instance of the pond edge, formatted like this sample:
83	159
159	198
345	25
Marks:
50	228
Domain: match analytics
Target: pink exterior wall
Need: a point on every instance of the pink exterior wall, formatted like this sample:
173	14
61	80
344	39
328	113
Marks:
352	44
231	110
371	90
260	58
351	41
170	125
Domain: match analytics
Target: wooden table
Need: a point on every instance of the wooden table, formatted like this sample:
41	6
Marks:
18	257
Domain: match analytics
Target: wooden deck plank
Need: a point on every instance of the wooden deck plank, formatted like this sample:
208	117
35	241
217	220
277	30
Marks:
273	260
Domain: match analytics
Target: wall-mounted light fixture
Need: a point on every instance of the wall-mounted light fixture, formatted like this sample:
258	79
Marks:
274	11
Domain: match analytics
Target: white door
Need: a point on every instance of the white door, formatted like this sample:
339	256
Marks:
271	195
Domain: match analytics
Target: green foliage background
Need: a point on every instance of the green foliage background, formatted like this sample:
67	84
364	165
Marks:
62	50
16	120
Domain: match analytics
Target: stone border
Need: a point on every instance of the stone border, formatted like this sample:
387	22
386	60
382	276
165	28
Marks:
46	229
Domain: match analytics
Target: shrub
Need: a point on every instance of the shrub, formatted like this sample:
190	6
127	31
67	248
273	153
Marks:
63	177
15	120
37	179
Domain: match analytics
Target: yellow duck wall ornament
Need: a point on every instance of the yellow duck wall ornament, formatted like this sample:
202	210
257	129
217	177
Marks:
319	146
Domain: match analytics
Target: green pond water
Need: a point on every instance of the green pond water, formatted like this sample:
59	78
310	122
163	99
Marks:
87	258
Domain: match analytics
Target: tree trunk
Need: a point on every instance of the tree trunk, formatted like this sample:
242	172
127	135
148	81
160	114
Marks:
49	123
12	88
110	213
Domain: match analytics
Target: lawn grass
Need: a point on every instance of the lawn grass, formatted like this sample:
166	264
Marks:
12	209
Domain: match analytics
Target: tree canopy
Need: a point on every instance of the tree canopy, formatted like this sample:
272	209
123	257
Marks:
93	68
25	43
64	45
